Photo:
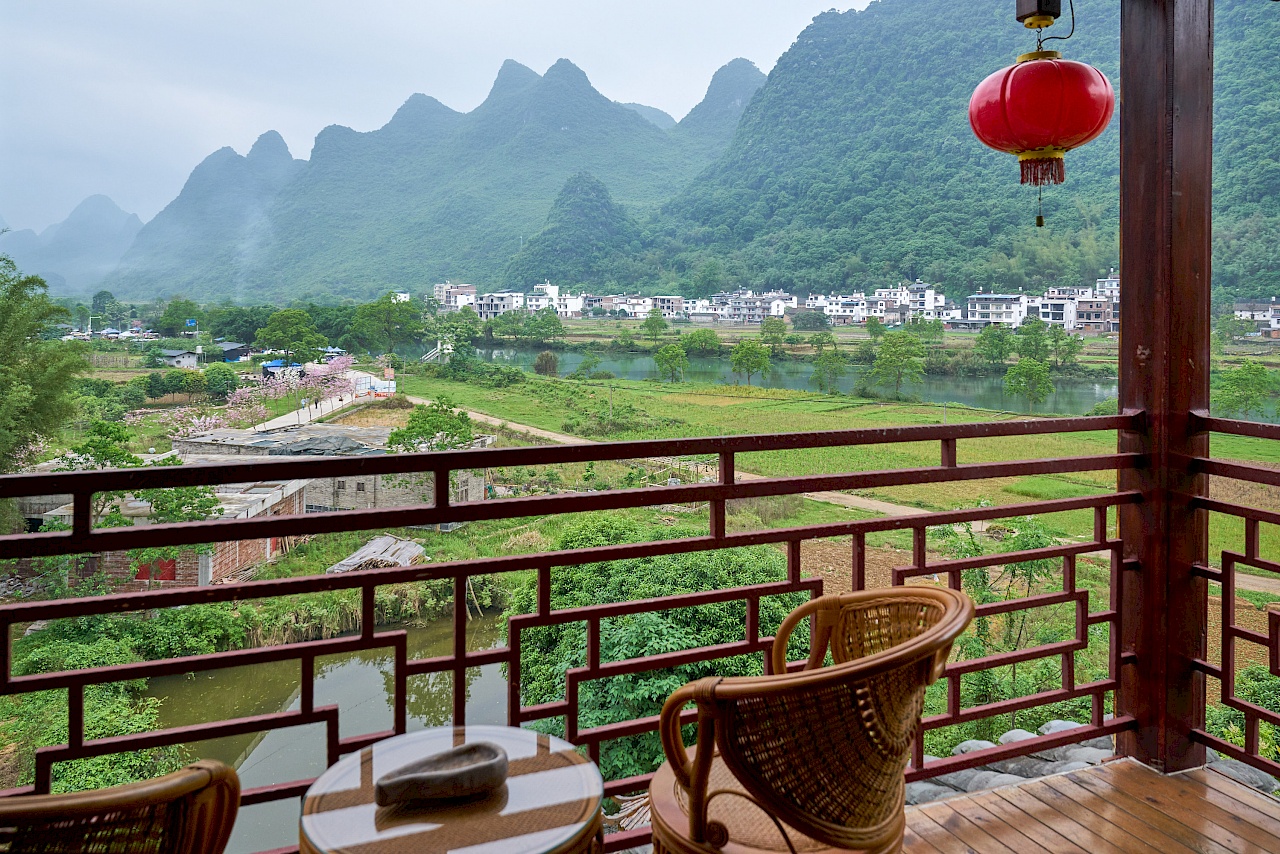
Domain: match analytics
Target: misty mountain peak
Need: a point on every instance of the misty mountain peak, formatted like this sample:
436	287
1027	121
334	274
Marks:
420	114
566	73
270	146
513	77
731	89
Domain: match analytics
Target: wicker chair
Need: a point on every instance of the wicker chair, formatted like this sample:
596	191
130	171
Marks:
811	760
187	812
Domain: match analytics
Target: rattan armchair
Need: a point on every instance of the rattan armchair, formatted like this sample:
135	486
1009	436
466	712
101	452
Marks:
811	760
187	812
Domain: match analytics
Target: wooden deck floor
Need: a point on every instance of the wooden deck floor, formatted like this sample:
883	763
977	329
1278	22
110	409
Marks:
1121	807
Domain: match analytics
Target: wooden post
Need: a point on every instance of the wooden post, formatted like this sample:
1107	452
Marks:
1166	100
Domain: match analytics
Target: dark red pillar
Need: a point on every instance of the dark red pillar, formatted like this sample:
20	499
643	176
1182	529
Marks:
1166	101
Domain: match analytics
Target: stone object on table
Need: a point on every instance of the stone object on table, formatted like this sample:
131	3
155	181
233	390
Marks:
467	771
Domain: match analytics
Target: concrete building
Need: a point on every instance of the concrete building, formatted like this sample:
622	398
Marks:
997	309
489	306
451	297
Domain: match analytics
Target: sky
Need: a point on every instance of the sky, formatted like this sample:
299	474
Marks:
125	98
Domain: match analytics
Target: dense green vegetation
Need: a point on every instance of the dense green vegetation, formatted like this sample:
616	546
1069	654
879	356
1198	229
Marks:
549	651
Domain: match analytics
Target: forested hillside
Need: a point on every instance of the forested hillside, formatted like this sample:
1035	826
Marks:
855	163
852	166
433	195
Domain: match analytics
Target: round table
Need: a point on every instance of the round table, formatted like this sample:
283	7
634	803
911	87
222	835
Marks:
550	802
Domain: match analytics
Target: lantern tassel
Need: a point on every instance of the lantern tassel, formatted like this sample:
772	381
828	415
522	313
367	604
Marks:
1039	171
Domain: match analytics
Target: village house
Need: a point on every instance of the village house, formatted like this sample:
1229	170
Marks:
187	359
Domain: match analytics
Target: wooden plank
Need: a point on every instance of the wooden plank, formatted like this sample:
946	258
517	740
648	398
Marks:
1189	796
1121	818
935	834
1009	835
1194	831
966	831
913	843
1072	821
1260	809
1027	823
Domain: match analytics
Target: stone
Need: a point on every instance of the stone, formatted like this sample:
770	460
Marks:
1065	767
1023	766
925	791
1102	742
1016	735
1054	727
958	780
970	746
993	780
1247	774
1091	755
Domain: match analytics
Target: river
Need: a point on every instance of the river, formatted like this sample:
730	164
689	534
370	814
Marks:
361	686
1071	397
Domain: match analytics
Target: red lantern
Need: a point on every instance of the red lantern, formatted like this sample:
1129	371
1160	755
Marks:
1040	108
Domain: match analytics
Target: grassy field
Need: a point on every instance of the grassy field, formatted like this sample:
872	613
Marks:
687	410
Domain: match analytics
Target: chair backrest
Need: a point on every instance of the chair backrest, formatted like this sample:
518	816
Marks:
187	812
824	749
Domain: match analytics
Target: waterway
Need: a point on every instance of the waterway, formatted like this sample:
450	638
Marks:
360	684
1070	397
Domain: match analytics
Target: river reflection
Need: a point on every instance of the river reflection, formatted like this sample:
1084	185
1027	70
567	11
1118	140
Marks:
360	684
1070	397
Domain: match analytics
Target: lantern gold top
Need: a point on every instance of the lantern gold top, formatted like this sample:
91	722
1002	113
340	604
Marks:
1036	22
1038	54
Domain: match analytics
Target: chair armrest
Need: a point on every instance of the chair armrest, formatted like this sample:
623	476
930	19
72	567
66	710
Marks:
669	732
817	641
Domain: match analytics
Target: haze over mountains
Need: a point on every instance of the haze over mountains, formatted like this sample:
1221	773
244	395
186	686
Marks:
853	164
76	254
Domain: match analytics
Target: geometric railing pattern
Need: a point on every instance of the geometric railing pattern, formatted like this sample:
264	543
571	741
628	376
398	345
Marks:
1233	635
82	538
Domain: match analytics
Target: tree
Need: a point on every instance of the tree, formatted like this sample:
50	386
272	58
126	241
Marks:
749	358
1032	340
547	364
388	321
36	375
818	340
875	328
828	368
671	361
702	342
810	321
102	301
654	325
176	314
542	326
1064	346
589	365
240	323
900	359
709	279
1029	378
1243	391
509	324
771	331
193	383
292	331
435	427
1229	327
220	380
994	344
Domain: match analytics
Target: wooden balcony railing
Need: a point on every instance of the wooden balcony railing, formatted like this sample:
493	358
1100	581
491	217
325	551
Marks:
1087	615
